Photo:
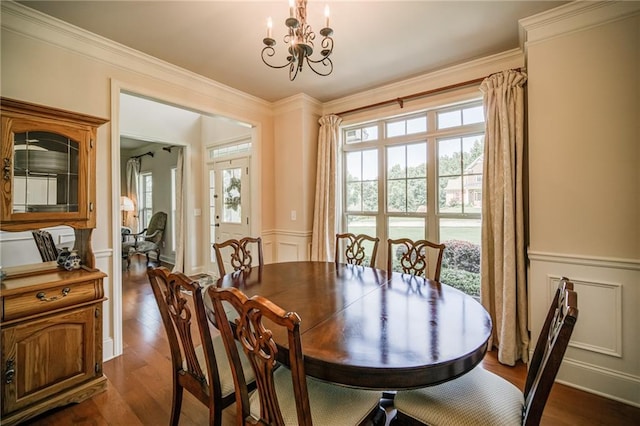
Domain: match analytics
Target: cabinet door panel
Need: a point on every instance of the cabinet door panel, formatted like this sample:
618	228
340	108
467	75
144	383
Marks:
49	355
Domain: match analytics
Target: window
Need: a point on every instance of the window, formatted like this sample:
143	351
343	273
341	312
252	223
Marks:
420	176
145	204
232	149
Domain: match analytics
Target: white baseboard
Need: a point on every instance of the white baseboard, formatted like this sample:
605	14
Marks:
107	349
609	384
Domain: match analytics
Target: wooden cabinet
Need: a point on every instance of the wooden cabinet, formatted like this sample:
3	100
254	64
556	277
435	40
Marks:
51	336
48	167
51	319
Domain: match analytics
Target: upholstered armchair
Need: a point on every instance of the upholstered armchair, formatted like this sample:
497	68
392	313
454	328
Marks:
147	241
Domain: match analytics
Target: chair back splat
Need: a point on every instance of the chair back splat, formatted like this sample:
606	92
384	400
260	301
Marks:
46	245
355	248
285	396
550	349
481	397
240	252
420	257
194	367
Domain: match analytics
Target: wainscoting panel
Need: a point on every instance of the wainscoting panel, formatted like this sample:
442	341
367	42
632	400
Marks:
288	252
604	350
290	246
601	333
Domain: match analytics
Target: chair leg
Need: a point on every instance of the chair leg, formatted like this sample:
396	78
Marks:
177	404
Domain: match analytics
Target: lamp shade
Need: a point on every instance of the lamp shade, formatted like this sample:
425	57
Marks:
126	204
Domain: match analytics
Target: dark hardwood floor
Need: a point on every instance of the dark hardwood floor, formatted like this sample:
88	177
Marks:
139	381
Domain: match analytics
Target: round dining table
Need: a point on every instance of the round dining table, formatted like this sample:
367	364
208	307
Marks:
366	328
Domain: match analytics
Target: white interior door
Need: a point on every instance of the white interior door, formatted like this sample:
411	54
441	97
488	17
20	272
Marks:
229	202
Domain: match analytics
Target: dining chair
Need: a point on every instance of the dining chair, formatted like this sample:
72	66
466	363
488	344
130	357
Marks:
284	396
415	257
240	253
354	248
203	369
482	397
46	245
148	240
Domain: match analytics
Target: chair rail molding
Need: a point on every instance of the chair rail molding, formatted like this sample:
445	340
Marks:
577	259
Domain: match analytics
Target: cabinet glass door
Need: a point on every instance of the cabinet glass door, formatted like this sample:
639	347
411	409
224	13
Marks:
45	173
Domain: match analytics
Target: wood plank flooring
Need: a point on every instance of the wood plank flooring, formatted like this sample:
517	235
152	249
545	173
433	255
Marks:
139	381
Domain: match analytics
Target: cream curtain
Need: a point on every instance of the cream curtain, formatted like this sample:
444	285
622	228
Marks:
324	215
503	282
179	219
132	176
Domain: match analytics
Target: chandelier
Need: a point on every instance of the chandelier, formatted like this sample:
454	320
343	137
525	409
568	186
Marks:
299	39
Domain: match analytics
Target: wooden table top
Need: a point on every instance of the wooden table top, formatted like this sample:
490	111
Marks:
361	327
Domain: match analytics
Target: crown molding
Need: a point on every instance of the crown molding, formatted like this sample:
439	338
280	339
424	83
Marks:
572	17
27	22
296	103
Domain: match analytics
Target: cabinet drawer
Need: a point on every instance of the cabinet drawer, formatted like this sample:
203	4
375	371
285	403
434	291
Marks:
36	301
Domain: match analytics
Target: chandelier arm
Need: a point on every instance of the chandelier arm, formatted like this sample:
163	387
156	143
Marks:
326	62
270	52
293	70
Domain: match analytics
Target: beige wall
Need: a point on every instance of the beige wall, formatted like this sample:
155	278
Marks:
295	149
584	174
49	63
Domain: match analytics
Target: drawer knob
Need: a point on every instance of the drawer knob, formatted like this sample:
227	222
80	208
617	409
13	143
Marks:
43	297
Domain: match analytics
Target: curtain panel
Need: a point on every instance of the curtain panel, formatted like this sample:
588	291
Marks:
324	215
503	274
132	177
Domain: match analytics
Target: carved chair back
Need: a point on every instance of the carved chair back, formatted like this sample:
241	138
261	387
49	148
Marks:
420	257
258	344
241	255
194	366
46	245
549	352
355	248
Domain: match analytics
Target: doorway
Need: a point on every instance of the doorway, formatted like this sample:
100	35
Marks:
229	203
150	119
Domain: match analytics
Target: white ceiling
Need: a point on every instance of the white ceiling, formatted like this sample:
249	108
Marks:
376	42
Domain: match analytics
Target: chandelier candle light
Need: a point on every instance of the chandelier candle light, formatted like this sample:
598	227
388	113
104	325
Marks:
300	39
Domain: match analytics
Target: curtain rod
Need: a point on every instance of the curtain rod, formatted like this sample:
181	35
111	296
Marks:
142	155
400	101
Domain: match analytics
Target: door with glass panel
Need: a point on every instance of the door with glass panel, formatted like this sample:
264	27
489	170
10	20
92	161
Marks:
229	203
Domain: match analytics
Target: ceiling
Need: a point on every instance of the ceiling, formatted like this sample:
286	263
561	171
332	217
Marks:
376	42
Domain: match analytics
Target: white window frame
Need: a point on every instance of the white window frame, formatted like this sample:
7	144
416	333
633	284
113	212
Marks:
144	211
431	137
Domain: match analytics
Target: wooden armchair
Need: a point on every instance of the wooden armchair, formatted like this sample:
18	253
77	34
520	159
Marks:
481	397
240	253
354	248
300	400
415	257
202	370
148	240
